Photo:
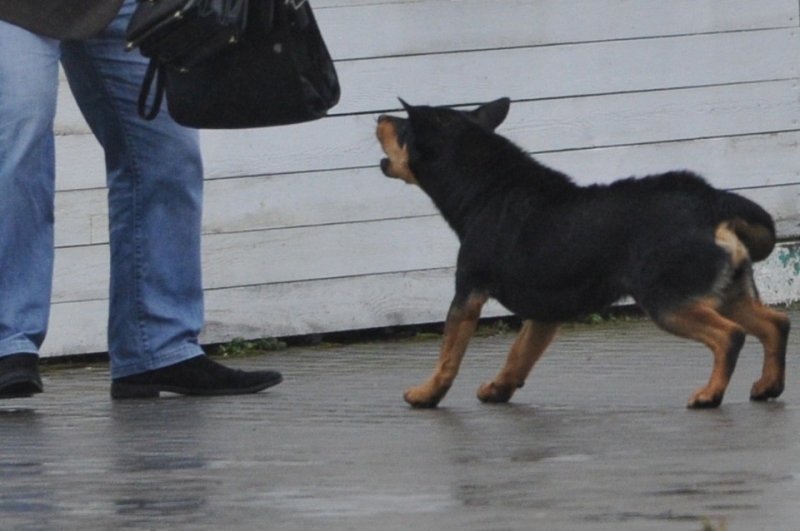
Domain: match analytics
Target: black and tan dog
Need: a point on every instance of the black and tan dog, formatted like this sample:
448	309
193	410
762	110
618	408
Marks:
550	250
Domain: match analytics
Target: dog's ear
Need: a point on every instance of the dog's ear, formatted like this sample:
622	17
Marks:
417	115
493	113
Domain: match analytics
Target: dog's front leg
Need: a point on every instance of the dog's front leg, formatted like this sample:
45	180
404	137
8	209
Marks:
462	319
528	347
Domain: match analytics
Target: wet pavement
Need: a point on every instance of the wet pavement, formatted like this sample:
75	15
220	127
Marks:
598	439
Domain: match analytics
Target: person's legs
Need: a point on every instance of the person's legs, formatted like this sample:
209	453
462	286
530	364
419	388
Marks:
155	181
28	89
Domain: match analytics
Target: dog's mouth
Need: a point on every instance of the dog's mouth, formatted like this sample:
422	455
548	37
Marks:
385	163
391	135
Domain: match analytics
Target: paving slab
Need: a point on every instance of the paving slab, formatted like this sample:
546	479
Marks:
598	439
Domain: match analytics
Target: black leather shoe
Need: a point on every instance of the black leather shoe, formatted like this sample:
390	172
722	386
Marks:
196	376
19	376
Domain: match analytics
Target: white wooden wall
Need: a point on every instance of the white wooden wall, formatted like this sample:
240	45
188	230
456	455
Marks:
303	234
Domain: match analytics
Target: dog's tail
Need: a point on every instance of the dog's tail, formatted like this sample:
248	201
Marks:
751	223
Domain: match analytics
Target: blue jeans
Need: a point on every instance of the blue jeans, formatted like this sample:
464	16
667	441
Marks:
154	178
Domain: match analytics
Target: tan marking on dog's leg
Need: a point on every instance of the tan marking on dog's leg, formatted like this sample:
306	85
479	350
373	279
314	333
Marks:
529	345
772	330
769	326
728	240
458	330
701	321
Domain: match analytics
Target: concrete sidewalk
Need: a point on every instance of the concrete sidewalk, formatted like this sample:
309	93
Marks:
598	439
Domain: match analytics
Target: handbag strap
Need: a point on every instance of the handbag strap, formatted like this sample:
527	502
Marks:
155	70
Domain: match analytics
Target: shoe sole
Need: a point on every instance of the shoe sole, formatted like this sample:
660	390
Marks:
21	389
123	390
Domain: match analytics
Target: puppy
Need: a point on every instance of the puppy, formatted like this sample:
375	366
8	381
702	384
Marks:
551	251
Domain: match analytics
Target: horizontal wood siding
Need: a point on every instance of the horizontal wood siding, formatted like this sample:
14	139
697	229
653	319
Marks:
304	235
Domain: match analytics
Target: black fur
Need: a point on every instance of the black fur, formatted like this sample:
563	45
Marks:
551	250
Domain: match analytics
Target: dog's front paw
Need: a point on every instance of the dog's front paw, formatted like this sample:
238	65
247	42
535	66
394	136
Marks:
705	398
494	393
764	389
424	396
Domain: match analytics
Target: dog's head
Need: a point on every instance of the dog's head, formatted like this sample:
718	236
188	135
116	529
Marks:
425	134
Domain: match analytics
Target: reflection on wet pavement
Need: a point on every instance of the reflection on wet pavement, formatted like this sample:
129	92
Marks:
598	439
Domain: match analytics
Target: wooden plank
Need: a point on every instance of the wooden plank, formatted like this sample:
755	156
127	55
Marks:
288	255
351	303
617	119
307	199
304	235
777	276
81	274
79	162
418	28
323	198
327	251
76	328
568	70
550	72
536	125
81	217
396	299
354	303
727	162
262	202
446	26
551	125
282	309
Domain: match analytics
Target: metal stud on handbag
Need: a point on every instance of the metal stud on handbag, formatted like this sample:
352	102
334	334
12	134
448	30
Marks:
181	33
226	64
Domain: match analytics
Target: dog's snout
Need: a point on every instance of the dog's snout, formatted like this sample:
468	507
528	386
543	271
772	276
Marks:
386	129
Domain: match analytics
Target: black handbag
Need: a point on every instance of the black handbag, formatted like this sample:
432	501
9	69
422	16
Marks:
230	64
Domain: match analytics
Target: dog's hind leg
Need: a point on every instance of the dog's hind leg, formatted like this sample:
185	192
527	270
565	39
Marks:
528	347
702	322
741	305
462	319
772	330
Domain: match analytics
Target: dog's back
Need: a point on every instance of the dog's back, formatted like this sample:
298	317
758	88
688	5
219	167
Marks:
551	250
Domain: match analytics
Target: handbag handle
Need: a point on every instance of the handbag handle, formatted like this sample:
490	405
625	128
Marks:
154	71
